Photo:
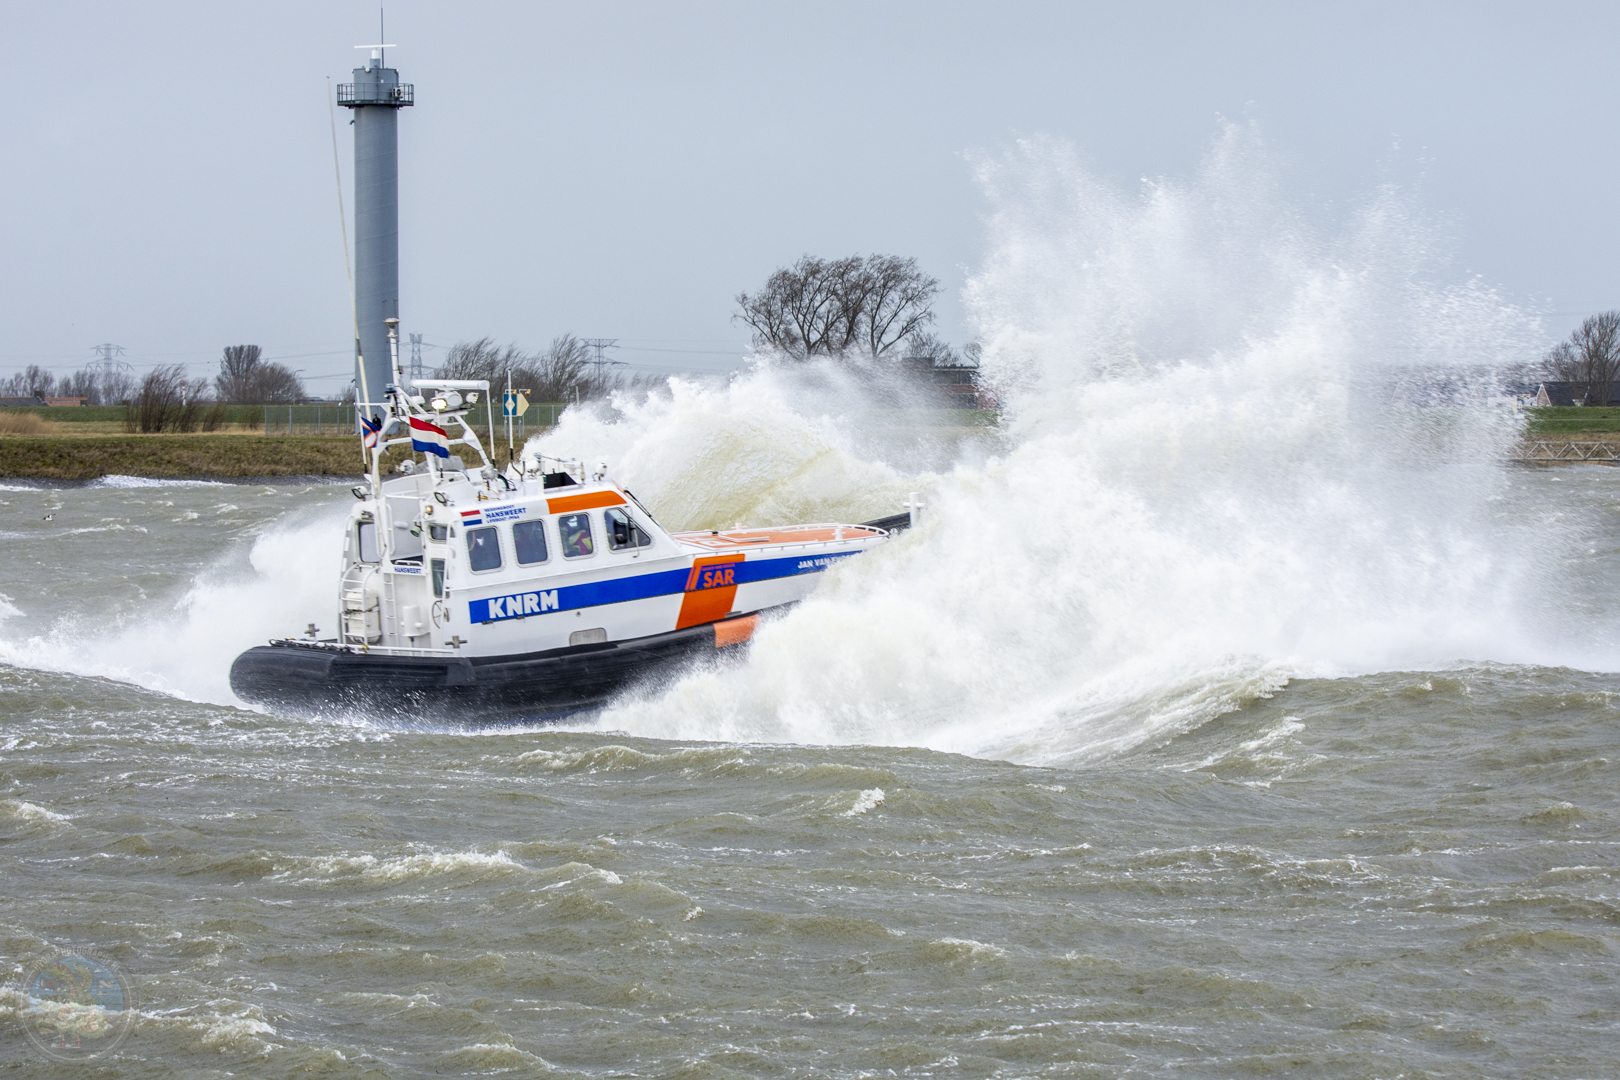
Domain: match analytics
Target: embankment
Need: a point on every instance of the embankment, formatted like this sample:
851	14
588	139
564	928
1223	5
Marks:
227	456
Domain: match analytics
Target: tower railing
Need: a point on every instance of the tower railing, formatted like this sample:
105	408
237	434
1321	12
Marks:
352	94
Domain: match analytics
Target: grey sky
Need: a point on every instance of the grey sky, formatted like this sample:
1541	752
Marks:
623	169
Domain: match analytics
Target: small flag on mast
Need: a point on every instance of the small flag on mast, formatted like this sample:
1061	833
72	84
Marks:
369	427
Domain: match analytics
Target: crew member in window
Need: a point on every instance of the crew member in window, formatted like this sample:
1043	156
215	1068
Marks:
576	535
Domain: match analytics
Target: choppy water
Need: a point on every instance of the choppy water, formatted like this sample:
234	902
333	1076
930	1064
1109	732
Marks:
1404	873
1227	716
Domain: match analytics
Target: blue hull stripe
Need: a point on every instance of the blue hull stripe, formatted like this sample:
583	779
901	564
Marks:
641	587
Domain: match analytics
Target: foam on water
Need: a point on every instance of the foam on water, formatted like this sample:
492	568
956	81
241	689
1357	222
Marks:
283	580
118	481
1209	483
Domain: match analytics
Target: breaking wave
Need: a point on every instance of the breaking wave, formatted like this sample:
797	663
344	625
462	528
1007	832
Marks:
1235	451
274	585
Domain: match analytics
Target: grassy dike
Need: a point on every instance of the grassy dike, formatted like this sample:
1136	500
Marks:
225	456
63	453
1578	423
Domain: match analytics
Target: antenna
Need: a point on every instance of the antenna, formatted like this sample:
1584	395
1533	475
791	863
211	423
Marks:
343	223
599	344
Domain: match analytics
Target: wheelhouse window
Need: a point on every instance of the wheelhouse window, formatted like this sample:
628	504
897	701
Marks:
529	542
623	532
575	533
368	541
438	533
483	549
437	566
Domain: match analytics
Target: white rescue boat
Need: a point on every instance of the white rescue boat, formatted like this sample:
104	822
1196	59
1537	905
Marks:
469	592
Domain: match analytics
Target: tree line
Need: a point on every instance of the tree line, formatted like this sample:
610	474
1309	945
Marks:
97	386
170	400
245	378
561	372
877	307
167	398
1589	359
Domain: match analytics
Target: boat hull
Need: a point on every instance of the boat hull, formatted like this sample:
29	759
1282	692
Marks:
309	679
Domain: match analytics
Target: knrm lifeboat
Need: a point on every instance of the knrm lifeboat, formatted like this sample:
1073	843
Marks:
472	593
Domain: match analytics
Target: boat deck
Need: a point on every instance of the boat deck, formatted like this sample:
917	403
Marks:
739	539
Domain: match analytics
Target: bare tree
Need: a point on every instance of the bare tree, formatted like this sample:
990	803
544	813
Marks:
898	301
279	385
114	388
30	381
98	386
81	384
481	359
238	370
820	307
1597	345
562	372
246	378
801	310
926	350
167	401
1562	364
1590	360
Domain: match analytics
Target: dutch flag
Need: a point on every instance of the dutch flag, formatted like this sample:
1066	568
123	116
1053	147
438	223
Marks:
429	438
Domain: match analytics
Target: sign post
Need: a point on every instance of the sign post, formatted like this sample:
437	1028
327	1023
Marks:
506	412
513	403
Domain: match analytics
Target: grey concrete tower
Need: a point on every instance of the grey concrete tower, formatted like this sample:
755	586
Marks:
376	96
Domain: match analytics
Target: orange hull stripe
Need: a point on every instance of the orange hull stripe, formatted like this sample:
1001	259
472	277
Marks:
708	596
734	631
710	605
569	503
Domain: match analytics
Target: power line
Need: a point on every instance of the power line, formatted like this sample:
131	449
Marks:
106	360
662	370
416	356
600	344
687	352
303	356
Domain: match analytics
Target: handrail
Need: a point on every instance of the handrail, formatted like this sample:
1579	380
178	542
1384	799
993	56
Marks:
350	95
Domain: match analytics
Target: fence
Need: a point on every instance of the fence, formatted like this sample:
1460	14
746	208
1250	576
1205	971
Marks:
339	420
1559	450
538	414
309	420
